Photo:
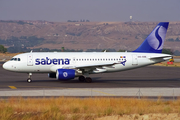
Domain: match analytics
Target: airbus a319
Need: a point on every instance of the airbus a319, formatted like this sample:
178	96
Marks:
69	65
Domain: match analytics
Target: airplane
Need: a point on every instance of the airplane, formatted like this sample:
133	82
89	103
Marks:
69	65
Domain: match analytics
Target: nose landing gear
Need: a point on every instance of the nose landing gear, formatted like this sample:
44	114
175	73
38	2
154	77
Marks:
29	78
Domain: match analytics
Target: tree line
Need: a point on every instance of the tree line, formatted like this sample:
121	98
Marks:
3	49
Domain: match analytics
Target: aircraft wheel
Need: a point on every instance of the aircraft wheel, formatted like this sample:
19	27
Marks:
29	80
81	78
88	80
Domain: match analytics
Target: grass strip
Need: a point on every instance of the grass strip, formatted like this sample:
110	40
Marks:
76	108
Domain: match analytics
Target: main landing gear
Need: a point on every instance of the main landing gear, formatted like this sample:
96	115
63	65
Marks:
29	78
87	79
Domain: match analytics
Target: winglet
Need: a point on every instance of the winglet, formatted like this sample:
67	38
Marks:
154	42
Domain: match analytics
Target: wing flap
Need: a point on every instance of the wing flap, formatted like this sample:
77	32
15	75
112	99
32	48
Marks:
95	65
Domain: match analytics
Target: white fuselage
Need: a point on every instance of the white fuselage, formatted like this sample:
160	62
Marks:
47	62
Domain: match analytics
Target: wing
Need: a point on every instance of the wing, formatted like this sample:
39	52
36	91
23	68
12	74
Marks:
97	68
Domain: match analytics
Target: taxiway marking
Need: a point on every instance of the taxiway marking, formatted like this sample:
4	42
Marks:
12	87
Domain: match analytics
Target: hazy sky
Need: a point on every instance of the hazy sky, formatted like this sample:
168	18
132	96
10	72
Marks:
93	10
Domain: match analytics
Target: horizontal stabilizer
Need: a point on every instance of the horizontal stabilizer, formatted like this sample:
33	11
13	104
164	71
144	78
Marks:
160	57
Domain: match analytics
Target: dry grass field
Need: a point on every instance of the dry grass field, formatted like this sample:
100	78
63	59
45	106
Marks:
86	109
7	56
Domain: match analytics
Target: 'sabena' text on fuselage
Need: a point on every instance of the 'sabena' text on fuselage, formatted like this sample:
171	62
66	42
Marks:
54	61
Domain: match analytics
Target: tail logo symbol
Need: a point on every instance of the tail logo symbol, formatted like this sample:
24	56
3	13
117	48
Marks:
155	39
159	38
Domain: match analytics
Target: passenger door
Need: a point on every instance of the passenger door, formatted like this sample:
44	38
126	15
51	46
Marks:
29	60
134	60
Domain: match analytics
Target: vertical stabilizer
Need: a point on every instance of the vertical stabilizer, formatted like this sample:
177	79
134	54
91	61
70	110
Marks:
154	42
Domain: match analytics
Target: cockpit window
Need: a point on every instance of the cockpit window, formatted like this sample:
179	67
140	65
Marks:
15	59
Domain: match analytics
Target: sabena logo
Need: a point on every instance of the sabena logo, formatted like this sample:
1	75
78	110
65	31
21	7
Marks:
54	61
65	74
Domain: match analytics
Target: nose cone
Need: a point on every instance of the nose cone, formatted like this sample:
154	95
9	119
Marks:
6	66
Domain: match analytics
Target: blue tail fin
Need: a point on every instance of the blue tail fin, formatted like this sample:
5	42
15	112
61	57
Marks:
154	42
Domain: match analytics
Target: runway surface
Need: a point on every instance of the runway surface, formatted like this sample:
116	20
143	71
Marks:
146	77
151	82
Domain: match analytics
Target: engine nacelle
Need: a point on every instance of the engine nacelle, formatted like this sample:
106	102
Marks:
65	74
52	75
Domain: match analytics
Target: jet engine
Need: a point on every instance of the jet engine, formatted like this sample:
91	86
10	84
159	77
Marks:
65	74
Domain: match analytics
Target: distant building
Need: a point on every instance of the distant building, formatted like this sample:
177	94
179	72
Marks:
78	24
